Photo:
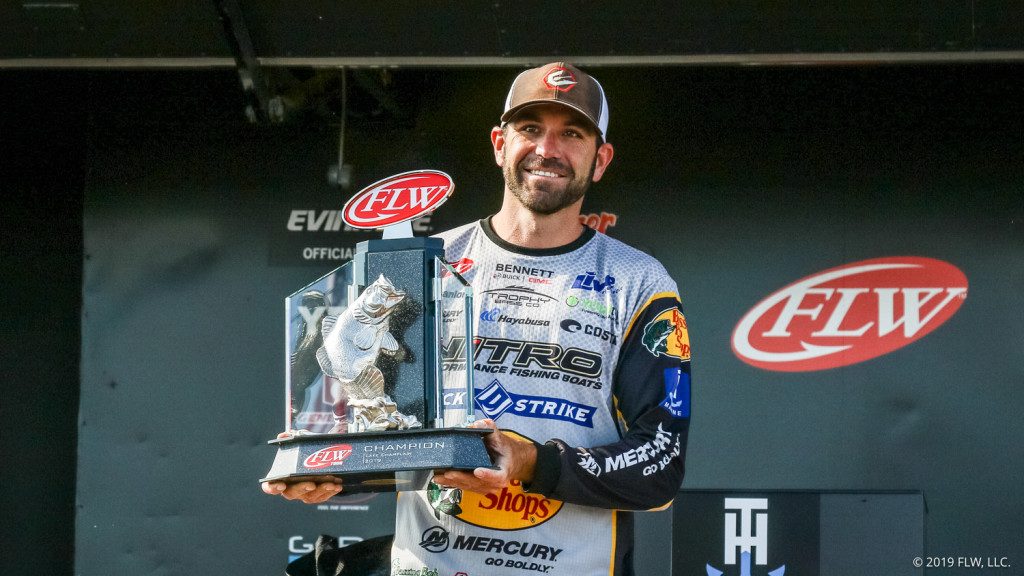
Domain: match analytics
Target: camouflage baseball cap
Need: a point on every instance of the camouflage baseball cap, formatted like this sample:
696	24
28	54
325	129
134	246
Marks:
561	83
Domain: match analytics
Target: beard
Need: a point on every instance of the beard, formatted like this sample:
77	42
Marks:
546	197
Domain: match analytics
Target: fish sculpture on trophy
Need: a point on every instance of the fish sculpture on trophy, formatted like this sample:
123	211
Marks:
352	342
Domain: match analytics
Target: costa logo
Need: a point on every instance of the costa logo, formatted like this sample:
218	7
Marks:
330	456
397	199
849	314
509	509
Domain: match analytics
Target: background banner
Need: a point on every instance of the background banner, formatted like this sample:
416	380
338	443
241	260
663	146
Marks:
743	181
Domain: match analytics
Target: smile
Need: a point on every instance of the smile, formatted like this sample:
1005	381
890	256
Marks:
544	173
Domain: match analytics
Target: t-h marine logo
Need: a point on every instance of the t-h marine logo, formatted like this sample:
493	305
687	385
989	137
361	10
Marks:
849	314
746	530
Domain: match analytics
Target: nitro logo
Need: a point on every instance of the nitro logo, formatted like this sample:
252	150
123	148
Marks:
849	314
590	282
330	456
746	532
494	401
397	199
491	353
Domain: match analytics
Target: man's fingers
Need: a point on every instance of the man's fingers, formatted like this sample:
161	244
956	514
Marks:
274	488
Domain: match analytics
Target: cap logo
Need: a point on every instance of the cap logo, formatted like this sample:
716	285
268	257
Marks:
560	79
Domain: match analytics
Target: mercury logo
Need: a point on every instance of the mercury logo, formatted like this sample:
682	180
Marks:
849	314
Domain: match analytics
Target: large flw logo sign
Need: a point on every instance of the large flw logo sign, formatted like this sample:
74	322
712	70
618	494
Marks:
398	199
849	314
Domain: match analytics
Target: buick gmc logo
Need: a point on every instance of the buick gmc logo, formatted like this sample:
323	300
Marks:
849	314
397	199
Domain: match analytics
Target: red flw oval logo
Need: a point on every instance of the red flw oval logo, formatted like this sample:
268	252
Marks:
330	456
397	199
849	314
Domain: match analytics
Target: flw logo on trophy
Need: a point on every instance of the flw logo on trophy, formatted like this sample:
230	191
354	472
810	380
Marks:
398	199
364	371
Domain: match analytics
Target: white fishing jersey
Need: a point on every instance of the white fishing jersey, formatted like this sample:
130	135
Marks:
584	350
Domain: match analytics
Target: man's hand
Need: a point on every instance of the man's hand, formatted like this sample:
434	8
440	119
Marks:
308	492
514	458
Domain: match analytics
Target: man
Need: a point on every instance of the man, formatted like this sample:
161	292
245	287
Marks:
582	359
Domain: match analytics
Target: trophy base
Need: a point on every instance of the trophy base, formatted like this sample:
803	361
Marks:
389	461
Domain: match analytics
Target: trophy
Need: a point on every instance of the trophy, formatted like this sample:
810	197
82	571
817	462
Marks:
379	367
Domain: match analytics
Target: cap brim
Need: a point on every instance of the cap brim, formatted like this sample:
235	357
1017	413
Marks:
511	112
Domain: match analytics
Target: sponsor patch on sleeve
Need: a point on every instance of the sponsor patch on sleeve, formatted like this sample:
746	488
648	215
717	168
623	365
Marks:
677	392
667	335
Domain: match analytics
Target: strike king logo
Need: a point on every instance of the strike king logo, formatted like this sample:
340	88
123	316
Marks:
330	456
849	314
667	335
397	199
495	400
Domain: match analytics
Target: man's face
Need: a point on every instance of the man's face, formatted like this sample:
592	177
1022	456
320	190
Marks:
549	156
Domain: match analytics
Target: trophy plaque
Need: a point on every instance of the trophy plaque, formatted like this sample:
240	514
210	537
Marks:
370	358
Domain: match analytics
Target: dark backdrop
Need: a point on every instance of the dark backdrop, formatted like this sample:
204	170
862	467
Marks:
740	179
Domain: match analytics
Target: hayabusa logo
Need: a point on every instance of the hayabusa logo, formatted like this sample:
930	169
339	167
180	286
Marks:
490	315
434	539
751	534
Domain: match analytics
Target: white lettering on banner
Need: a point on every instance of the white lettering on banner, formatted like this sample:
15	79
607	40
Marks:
745	539
298	545
333	221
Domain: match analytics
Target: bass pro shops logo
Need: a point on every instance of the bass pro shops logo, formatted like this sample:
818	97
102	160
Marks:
849	314
667	334
398	199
